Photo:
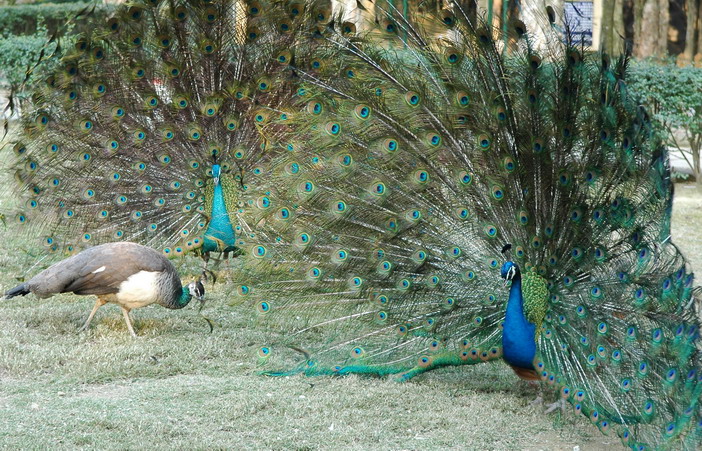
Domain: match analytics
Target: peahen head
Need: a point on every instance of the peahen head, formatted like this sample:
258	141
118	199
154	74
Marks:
197	290
510	271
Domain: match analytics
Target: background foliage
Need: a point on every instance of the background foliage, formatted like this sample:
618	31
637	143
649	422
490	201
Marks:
674	96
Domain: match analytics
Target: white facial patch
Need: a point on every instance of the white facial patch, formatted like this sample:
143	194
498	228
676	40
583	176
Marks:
510	273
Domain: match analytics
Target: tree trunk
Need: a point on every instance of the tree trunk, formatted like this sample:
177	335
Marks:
651	19
612	34
691	13
695	147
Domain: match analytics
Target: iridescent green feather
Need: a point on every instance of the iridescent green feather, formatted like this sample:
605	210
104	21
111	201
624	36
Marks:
535	292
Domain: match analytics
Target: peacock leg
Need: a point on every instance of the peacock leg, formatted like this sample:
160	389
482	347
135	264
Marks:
98	303
560	404
208	272
227	265
125	312
539	400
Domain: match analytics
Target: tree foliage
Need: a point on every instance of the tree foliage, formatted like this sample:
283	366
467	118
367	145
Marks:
673	95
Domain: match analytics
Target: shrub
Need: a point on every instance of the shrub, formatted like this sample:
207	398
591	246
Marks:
26	19
673	95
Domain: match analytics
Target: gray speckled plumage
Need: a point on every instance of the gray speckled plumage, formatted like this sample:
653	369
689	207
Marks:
77	274
127	274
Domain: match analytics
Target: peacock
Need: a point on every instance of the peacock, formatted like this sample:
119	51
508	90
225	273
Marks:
146	127
123	273
456	196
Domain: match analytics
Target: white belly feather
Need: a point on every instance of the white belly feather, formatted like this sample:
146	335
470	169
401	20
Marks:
138	290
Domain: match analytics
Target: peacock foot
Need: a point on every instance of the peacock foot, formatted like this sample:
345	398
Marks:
539	400
560	404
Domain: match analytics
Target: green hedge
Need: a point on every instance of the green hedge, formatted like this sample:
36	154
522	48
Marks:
25	19
673	94
16	54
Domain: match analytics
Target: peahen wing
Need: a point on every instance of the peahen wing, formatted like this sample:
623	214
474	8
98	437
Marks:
413	162
139	117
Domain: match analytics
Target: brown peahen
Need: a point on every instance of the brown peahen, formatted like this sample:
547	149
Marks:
126	274
432	167
146	127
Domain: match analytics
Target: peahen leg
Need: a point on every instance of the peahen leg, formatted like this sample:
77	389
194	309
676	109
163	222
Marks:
125	312
98	303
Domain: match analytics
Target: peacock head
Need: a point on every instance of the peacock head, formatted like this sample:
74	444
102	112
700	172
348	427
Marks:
197	290
509	271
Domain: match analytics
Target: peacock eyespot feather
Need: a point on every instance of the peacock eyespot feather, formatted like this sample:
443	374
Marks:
314	273
465	178
509	164
332	128
421	177
357	352
303	239
211	14
522	217
452	55
412	98
390	145
497	192
362	111
113	24
484	141
433	139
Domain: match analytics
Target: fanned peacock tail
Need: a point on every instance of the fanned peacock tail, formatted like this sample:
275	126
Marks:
147	127
414	160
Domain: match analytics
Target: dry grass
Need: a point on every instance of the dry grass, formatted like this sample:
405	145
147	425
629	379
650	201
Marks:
178	386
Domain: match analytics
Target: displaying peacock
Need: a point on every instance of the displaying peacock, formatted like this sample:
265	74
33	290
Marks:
146	127
454	198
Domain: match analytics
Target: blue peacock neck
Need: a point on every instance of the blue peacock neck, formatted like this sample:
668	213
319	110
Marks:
519	346
220	232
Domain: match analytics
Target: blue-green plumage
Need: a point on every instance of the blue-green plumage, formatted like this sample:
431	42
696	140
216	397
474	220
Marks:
220	232
518	344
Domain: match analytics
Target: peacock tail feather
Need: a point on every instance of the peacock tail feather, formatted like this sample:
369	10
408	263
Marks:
413	160
147	127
